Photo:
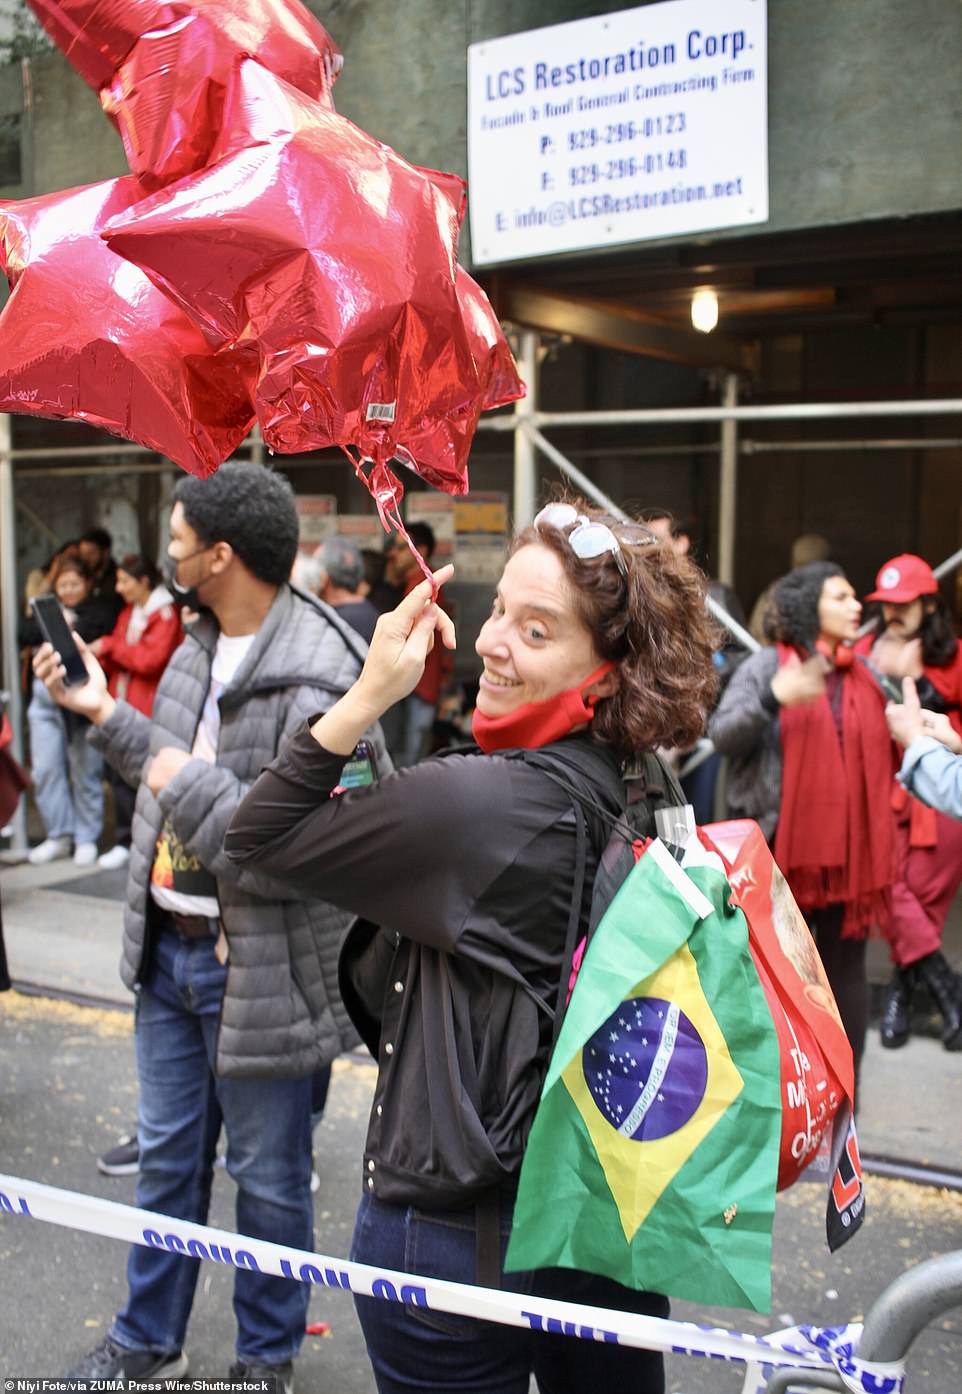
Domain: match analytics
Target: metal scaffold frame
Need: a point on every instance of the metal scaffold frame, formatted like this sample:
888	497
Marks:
528	424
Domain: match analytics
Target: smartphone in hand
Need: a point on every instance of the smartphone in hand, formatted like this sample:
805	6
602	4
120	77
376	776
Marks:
53	625
361	769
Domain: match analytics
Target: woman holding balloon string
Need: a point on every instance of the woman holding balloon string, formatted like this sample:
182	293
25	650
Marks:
464	872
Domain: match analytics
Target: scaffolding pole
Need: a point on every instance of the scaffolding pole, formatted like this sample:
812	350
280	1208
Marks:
950	563
525	466
784	411
10	613
728	485
746	446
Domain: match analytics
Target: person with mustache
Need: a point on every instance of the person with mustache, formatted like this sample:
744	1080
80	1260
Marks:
913	636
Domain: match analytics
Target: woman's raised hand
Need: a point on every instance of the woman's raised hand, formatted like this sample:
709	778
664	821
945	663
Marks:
796	683
403	638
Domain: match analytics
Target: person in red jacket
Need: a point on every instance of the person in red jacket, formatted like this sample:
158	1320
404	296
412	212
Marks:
914	636
134	656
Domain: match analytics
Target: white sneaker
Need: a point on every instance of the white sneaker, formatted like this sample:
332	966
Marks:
114	859
53	849
85	854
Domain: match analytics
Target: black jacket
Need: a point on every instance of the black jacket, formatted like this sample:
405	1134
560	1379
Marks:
468	864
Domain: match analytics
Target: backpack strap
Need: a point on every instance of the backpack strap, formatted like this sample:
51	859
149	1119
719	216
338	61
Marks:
574	919
563	762
648	777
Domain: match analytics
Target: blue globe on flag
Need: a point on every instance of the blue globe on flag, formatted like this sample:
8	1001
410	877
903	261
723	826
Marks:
646	1068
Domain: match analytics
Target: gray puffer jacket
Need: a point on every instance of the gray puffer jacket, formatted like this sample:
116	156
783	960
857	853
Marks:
745	727
282	1015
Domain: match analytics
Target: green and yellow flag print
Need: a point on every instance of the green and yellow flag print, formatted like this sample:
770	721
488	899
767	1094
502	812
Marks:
653	1157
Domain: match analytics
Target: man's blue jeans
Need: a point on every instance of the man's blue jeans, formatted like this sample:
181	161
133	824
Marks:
182	1104
416	1349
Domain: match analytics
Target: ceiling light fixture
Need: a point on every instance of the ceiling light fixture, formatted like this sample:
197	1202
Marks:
704	311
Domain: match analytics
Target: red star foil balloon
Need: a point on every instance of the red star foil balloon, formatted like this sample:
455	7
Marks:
324	279
349	295
162	70
493	359
86	336
447	435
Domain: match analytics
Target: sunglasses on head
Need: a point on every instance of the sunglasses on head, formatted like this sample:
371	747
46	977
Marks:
589	538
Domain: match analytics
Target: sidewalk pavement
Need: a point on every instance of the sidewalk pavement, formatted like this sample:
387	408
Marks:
69	1087
62	928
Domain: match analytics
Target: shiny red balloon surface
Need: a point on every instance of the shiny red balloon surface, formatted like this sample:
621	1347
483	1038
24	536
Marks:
350	296
86	336
298	268
163	70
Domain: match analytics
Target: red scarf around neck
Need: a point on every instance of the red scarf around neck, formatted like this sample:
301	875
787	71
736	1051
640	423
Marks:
834	841
538	723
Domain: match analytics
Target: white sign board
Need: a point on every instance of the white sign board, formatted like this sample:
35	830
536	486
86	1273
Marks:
650	122
316	517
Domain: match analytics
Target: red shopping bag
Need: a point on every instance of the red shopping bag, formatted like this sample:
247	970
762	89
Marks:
817	1071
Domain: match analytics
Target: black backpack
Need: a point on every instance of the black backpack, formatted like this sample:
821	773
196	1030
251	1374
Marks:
637	793
643	787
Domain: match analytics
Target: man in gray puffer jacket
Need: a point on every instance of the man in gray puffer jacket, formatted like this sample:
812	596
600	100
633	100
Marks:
235	974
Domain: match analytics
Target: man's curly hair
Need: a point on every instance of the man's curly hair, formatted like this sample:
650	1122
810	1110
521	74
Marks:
250	507
652	624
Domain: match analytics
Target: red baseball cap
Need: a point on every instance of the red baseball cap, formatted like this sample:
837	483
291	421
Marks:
904	578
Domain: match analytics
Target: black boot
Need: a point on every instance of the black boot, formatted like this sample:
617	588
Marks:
896	1022
943	987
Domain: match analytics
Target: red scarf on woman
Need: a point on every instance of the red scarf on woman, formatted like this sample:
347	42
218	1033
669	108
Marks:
538	723
834	840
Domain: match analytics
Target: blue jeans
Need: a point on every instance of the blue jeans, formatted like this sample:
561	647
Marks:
67	773
182	1104
415	1349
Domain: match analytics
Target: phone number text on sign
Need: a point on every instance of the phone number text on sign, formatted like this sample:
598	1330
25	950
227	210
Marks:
678	98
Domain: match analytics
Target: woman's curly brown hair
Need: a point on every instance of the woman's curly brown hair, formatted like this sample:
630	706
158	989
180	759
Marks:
652	624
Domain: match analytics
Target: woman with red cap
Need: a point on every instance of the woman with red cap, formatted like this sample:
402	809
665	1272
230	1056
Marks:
914	636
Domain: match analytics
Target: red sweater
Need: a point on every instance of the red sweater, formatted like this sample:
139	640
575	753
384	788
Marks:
134	669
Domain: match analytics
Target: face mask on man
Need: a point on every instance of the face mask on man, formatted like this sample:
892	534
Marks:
185	596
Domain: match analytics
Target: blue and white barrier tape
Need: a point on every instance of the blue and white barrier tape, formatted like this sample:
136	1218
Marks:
811	1348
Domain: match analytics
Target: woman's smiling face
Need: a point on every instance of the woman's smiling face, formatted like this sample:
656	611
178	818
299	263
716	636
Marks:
535	643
